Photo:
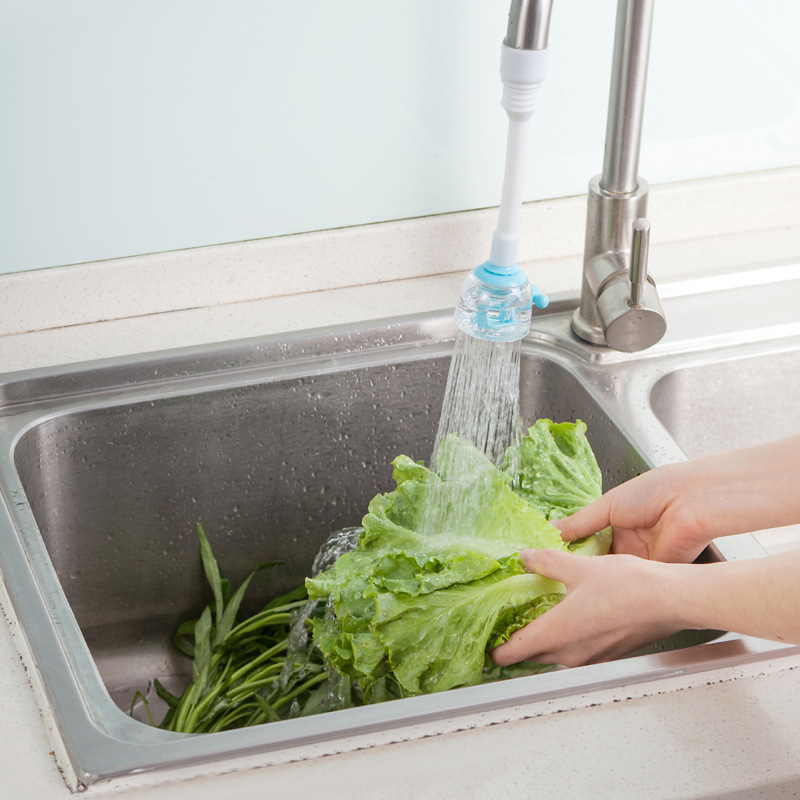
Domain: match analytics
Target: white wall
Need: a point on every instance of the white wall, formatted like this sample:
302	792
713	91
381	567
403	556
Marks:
145	125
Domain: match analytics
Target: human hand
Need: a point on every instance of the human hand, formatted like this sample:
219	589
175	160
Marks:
673	512
614	604
617	603
662	515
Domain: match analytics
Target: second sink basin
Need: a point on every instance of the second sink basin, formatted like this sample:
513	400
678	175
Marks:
730	401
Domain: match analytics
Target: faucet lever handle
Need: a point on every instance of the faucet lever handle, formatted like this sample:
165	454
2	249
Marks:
639	251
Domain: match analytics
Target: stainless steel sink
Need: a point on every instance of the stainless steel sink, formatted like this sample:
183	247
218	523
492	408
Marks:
272	444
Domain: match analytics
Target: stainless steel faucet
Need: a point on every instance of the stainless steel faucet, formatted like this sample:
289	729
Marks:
619	303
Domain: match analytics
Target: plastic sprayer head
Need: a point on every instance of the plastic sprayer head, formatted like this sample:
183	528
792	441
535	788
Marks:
495	303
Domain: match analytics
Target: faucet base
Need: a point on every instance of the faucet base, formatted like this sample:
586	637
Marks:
583	329
619	303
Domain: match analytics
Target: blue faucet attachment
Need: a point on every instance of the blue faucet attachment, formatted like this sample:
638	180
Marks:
496	302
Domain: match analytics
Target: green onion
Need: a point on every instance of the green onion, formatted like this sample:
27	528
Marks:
242	671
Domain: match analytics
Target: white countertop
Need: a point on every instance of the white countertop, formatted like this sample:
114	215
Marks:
707	735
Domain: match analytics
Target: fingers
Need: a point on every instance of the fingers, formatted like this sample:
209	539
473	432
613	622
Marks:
538	637
588	520
553	564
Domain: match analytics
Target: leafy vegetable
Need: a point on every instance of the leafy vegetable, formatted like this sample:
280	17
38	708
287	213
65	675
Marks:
241	673
436	580
556	468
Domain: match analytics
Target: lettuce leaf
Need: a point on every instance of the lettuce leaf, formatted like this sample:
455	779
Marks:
436	580
556	468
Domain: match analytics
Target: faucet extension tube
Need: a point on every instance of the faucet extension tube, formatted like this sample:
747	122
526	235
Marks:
496	299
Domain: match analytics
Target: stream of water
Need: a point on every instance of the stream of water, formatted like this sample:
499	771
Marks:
481	399
481	405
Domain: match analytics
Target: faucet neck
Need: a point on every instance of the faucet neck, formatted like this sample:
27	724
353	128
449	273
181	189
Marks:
626	98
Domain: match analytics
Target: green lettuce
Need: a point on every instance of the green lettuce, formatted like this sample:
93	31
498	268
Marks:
557	470
436	580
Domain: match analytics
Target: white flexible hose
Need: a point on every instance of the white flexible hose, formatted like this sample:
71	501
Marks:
522	73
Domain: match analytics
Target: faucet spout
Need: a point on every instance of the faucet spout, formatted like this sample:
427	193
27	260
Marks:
619	304
528	24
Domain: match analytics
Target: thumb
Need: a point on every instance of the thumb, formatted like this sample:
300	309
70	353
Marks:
555	564
588	520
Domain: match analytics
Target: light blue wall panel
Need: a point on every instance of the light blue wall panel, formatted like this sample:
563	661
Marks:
145	125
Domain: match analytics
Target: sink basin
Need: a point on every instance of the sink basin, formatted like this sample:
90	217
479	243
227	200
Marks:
271	444
733	401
